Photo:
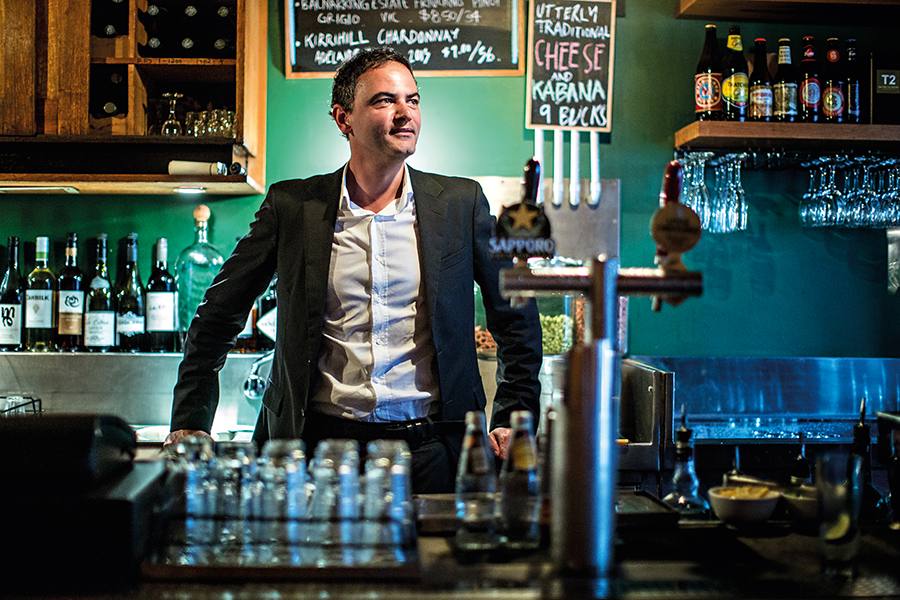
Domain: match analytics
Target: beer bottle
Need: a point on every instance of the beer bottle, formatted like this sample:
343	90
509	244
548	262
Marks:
851	85
833	104
810	95
735	85
760	84
784	88
708	80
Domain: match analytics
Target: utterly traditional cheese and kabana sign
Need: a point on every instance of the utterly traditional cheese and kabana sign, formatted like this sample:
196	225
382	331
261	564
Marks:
439	37
570	65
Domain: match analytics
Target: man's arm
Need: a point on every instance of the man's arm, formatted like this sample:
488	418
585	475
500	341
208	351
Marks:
517	333
219	319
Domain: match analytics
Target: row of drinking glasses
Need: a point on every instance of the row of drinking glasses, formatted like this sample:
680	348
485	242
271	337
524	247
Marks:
724	209
846	191
244	510
210	123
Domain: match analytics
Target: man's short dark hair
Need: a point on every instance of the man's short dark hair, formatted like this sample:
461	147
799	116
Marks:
343	91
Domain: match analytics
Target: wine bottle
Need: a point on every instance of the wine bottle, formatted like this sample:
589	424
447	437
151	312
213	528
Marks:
833	104
223	32
109	18
784	88
162	303
267	320
70	300
195	269
159	26
40	302
108	95
11	299
708	80
190	31
99	315
130	302
760	84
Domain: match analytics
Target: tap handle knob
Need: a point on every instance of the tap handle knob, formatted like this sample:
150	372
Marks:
532	181
672	180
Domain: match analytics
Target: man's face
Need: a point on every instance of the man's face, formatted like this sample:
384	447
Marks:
385	120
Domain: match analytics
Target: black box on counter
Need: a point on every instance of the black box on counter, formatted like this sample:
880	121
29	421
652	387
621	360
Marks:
884	88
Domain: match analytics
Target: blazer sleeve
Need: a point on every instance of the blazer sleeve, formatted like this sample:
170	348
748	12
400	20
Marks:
517	331
220	318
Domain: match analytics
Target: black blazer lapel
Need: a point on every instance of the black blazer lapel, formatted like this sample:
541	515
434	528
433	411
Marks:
319	217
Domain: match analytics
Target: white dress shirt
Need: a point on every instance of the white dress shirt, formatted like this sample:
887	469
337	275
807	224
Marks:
378	358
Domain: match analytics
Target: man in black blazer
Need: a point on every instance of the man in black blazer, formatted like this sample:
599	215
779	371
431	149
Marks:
324	380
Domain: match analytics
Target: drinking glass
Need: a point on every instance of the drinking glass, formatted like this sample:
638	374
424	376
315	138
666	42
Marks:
234	470
333	516
839	495
279	502
172	126
387	523
696	193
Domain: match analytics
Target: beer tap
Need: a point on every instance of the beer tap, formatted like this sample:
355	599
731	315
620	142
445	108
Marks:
584	450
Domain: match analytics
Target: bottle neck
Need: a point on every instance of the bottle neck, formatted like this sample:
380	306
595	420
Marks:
71	257
202	233
12	253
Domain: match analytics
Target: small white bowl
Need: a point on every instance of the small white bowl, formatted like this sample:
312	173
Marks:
740	510
802	504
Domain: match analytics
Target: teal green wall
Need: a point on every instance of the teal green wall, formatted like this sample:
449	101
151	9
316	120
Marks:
774	290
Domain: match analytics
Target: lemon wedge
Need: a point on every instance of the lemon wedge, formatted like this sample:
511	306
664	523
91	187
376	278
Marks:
839	528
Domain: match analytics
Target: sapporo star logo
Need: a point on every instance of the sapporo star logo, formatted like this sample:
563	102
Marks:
523	217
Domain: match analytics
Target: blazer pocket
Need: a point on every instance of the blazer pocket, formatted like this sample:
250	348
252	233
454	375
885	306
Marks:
453	259
273	399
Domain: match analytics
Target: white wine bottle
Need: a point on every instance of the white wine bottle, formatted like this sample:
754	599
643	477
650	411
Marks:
130	302
99	316
40	302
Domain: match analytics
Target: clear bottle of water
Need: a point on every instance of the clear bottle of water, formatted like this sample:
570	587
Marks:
476	488
520	487
195	269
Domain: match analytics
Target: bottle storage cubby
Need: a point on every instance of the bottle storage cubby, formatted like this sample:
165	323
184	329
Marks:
139	73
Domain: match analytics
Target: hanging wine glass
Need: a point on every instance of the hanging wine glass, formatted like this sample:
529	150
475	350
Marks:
172	127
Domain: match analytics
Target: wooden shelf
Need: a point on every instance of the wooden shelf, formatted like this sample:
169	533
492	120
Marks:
813	137
790	11
62	183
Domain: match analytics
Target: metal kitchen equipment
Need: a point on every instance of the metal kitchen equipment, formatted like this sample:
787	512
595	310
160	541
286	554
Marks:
584	454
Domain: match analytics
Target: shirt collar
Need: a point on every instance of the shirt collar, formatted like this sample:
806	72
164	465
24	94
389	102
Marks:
401	203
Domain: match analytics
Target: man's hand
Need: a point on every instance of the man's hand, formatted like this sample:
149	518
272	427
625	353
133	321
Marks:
177	436
499	439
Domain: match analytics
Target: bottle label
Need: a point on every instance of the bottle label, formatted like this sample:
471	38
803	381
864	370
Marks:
161	311
736	89
99	283
833	101
71	309
810	93
784	98
784	55
10	324
760	101
99	329
708	91
39	309
734	43
129	324
268	324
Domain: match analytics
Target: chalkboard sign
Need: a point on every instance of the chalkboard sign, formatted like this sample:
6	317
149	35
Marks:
570	65
439	37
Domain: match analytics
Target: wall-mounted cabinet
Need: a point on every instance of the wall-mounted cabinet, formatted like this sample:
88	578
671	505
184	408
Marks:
791	11
93	84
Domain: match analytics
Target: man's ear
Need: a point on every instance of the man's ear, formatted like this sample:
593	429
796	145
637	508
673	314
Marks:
341	118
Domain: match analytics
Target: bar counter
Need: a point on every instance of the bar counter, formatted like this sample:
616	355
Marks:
688	560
